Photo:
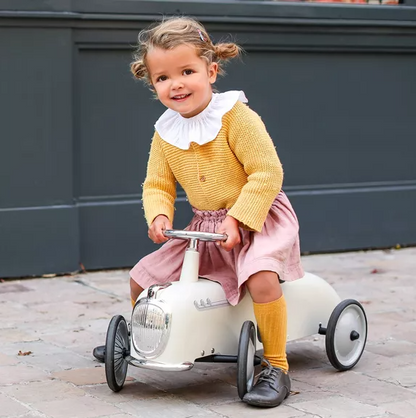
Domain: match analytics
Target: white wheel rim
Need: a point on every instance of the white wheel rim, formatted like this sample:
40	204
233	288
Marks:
250	365
351	319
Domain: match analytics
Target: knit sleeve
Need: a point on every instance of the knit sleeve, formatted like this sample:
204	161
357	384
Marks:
159	187
252	145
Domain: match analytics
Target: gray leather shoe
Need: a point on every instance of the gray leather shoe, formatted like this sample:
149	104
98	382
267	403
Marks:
271	388
99	353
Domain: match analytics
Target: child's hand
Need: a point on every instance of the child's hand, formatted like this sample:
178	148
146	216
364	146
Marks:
159	224
229	226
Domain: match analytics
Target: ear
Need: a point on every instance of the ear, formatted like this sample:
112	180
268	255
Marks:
213	72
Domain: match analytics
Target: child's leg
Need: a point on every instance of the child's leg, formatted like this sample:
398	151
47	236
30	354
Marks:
271	316
135	291
273	384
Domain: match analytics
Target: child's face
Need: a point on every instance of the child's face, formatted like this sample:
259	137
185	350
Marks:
181	78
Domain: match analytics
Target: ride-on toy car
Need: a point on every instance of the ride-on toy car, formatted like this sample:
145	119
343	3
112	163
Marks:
177	324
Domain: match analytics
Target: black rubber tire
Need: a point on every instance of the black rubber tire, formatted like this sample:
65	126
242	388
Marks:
117	346
245	350
331	335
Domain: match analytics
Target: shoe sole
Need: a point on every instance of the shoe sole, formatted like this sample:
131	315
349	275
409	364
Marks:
265	404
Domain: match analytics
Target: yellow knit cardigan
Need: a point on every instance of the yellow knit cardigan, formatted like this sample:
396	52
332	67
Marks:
239	171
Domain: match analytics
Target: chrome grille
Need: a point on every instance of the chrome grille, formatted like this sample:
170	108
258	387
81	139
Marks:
150	324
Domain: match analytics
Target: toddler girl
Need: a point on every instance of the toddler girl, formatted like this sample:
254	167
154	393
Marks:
219	151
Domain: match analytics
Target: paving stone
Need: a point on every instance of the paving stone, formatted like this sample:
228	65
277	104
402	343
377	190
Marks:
401	376
12	287
406	331
242	410
14	314
74	311
118	416
34	414
356	386
171	380
75	340
35	287
398	315
11	335
20	373
307	354
303	392
406	409
379	330
392	348
374	363
165	407
10	408
131	391
217	372
58	361
89	376
99	326
47	357
62	319
7	360
37	392
85	407
39	347
208	393
339	407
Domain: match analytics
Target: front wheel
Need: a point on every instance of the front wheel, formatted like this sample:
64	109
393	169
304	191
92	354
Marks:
246	358
346	334
117	347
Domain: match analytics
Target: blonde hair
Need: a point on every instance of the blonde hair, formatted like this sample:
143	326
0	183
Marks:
176	31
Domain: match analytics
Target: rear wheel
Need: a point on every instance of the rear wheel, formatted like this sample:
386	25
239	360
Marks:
117	347
246	358
346	334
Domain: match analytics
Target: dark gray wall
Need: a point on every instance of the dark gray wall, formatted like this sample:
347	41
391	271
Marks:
335	85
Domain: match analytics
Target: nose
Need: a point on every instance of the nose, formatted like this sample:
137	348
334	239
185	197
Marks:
177	83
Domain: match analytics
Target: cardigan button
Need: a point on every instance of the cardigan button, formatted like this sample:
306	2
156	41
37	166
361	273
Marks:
202	178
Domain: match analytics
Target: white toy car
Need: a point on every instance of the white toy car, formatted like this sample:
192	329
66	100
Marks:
177	324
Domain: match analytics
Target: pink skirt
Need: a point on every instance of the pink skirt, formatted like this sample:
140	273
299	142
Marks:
276	248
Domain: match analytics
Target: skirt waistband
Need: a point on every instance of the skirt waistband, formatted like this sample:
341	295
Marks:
210	215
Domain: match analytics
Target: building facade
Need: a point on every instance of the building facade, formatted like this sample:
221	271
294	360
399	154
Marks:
335	85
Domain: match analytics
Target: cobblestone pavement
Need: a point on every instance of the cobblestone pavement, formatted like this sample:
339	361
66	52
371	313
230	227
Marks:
55	323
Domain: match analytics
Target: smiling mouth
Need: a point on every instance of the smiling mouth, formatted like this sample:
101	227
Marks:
180	97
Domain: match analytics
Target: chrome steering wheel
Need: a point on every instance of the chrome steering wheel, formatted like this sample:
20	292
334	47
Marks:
194	235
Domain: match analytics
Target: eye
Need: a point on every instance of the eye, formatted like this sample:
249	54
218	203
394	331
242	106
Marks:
161	78
188	72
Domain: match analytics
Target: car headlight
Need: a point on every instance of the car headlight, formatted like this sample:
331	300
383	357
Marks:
150	327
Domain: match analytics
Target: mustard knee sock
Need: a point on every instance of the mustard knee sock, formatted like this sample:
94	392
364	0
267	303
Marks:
271	319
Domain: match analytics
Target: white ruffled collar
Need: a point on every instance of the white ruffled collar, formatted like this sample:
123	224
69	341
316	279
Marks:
201	128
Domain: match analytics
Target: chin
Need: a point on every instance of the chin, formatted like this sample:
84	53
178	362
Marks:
187	113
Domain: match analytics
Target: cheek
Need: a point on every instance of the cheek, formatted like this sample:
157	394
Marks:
159	90
201	82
